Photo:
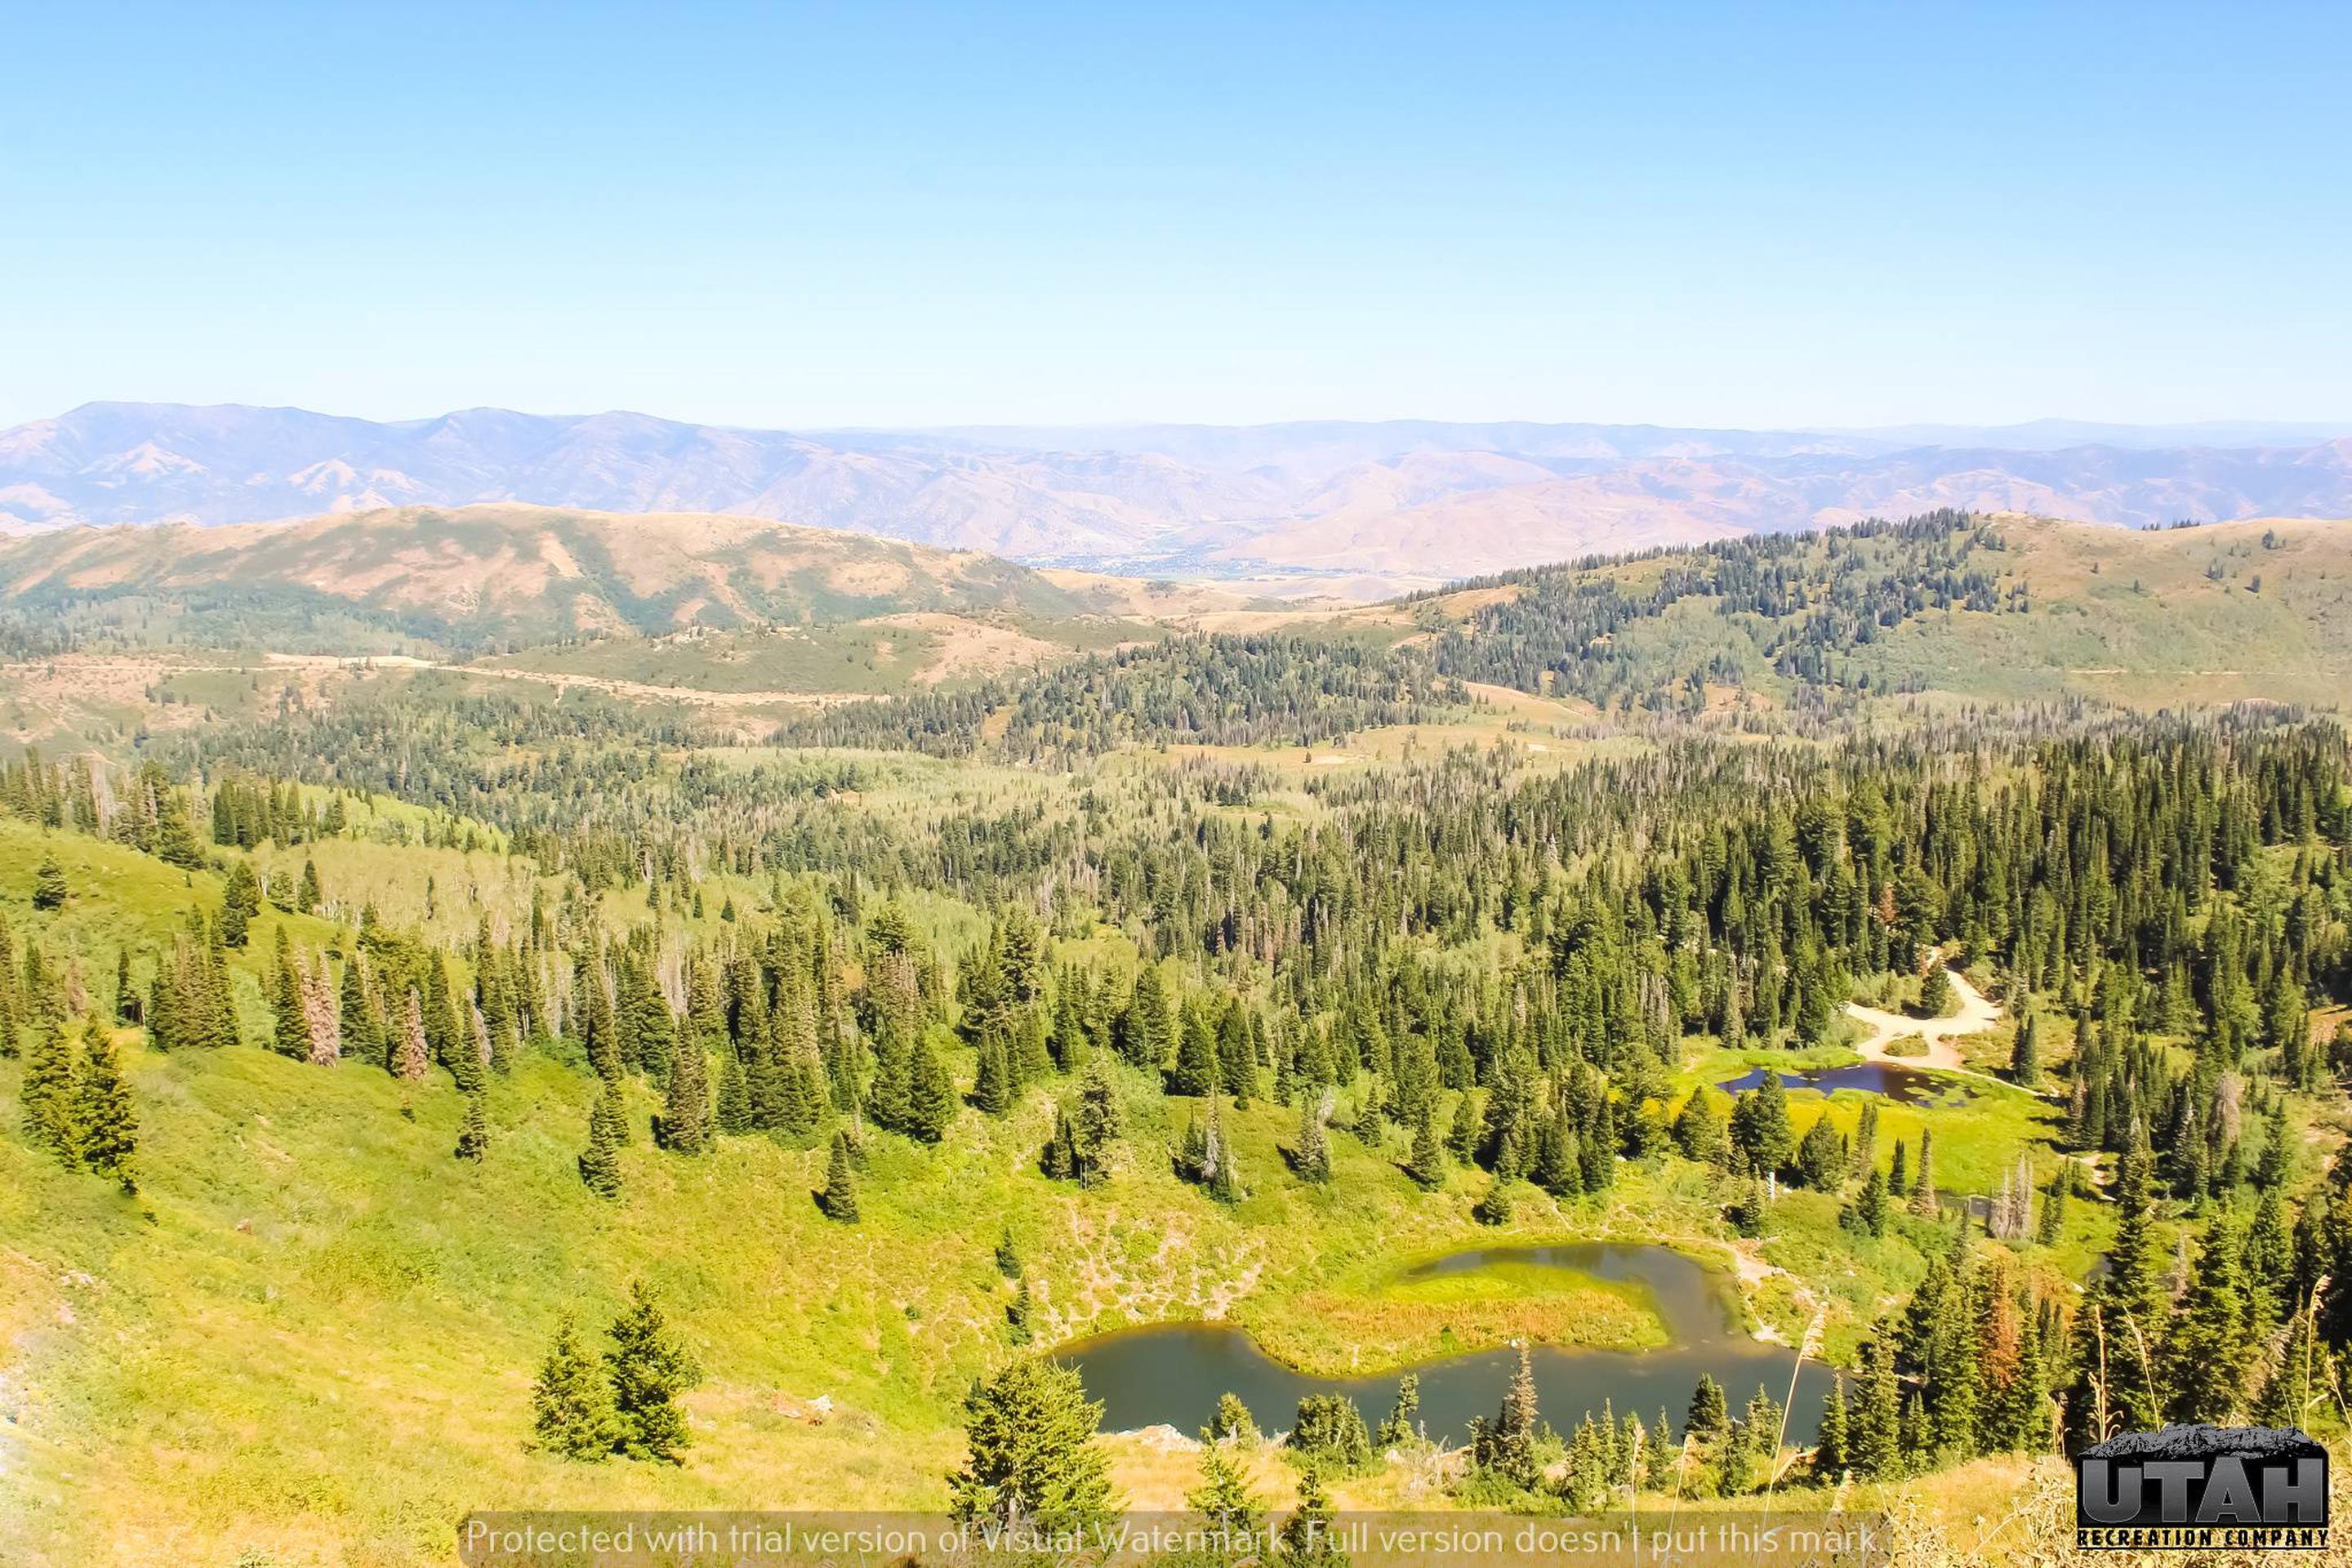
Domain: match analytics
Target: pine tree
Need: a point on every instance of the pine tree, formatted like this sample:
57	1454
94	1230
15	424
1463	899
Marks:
1313	1159
1922	1191
839	1199
1505	1447
608	1130
1398	1427
1829	1448
1032	1460
1232	1517
1426	1163
685	1115
931	1092
105	1129
735	1117
1760	1128
474	1133
411	1055
126	998
291	1034
1821	1156
992	1089
1874	1424
2025	1058
2210	1345
1308	1539
1867	1214
649	1368
49	885
46	1094
571	1402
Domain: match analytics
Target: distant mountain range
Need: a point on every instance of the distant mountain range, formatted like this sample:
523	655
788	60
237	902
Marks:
1400	501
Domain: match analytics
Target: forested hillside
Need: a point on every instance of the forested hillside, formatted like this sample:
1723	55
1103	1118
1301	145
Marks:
397	1053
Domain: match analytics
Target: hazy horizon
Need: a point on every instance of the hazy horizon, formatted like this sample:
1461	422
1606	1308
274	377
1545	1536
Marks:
1703	216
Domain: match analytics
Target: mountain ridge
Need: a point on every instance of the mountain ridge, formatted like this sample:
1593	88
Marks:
1415	501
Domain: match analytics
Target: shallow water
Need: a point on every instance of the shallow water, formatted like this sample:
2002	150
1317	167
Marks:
1903	1085
1173	1374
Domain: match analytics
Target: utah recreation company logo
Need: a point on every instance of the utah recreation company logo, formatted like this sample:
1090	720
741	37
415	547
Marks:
2191	1489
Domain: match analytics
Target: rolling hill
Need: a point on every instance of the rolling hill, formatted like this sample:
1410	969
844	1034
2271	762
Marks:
473	578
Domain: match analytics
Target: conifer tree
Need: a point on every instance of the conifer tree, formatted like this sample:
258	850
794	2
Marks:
931	1092
1505	1447
46	1094
411	1055
992	1089
839	1199
474	1131
649	1368
686	1114
1922	1191
1867	1214
1307	1537
1033	1461
290	1035
608	1130
49	884
1313	1159
572	1402
2025	1057
1760	1127
734	1112
1426	1163
1232	1519
1830	1458
105	1129
126	998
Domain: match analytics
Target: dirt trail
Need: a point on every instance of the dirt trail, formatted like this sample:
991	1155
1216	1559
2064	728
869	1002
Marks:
1978	1013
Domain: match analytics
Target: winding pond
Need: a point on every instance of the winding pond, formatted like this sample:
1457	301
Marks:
1903	1085
1173	1373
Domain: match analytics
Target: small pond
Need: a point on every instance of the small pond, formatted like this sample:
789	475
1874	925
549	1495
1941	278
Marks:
1903	1084
1172	1374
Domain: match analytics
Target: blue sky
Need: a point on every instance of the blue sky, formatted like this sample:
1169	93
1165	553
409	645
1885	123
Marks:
1744	215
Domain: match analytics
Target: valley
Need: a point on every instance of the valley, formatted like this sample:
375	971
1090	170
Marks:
1866	960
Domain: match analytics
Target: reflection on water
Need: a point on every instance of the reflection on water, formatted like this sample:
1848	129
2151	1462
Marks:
1903	1084
1173	1374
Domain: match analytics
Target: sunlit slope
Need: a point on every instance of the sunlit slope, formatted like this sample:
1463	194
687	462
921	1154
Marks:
472	577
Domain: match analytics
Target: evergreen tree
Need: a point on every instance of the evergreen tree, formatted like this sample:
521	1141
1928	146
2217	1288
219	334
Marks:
1398	1427
686	1114
1312	1162
1232	1518
1922	1191
735	1118
1759	1126
1426	1163
1830	1458
571	1402
105	1128
49	884
1867	1214
1505	1447
44	1096
1308	1539
2025	1057
648	1368
1821	1156
608	1130
1032	1460
839	1199
474	1133
931	1093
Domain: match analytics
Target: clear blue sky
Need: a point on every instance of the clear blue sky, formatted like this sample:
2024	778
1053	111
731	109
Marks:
1742	215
